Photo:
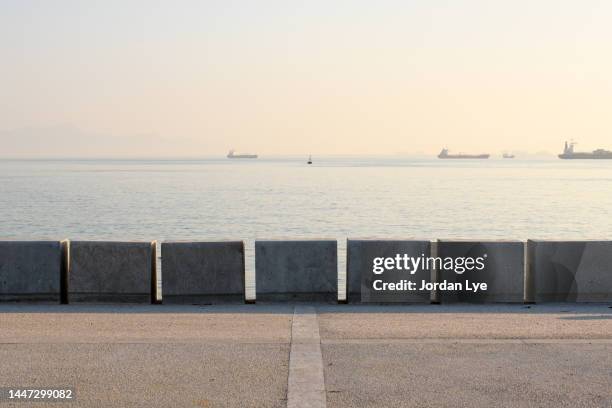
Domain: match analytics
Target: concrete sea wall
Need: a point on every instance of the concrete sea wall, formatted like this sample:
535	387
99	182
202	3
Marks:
569	271
104	271
296	269
360	256
202	271
31	270
503	270
91	271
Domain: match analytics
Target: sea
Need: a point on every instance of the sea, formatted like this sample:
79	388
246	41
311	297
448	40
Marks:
392	197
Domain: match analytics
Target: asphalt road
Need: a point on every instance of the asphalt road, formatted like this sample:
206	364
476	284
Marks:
373	356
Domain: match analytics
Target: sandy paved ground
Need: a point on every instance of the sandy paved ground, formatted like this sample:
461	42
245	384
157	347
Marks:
466	321
467	356
150	356
235	356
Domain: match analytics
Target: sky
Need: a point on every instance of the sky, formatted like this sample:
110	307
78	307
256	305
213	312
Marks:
196	78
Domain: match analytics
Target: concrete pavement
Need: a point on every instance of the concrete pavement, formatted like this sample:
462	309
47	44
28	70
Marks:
238	355
149	356
467	356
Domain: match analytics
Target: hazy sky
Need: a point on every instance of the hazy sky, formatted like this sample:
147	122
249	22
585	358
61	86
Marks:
196	78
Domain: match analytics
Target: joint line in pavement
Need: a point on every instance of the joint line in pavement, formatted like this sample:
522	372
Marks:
306	384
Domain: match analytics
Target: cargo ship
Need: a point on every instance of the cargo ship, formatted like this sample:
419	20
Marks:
599	154
234	155
444	155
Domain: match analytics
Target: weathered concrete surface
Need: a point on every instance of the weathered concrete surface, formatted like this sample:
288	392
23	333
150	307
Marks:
150	356
549	355
360	258
200	271
30	270
572	271
504	264
306	385
466	321
153	375
468	375
467	355
296	268
111	271
133	323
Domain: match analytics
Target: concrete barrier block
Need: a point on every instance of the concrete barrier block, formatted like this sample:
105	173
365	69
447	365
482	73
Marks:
202	271
360	277
288	269
570	271
111	271
30	270
502	271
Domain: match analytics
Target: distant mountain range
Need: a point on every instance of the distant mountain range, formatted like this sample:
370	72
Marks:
66	141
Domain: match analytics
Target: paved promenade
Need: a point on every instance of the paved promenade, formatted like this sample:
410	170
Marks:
299	355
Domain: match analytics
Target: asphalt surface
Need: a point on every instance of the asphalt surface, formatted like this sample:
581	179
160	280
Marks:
373	356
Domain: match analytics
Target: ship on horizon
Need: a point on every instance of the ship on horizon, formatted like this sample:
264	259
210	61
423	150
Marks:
235	155
599	154
444	155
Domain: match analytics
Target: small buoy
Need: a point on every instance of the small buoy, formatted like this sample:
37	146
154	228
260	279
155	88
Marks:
309	160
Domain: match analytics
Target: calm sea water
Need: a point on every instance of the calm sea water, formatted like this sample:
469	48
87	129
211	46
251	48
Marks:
286	198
